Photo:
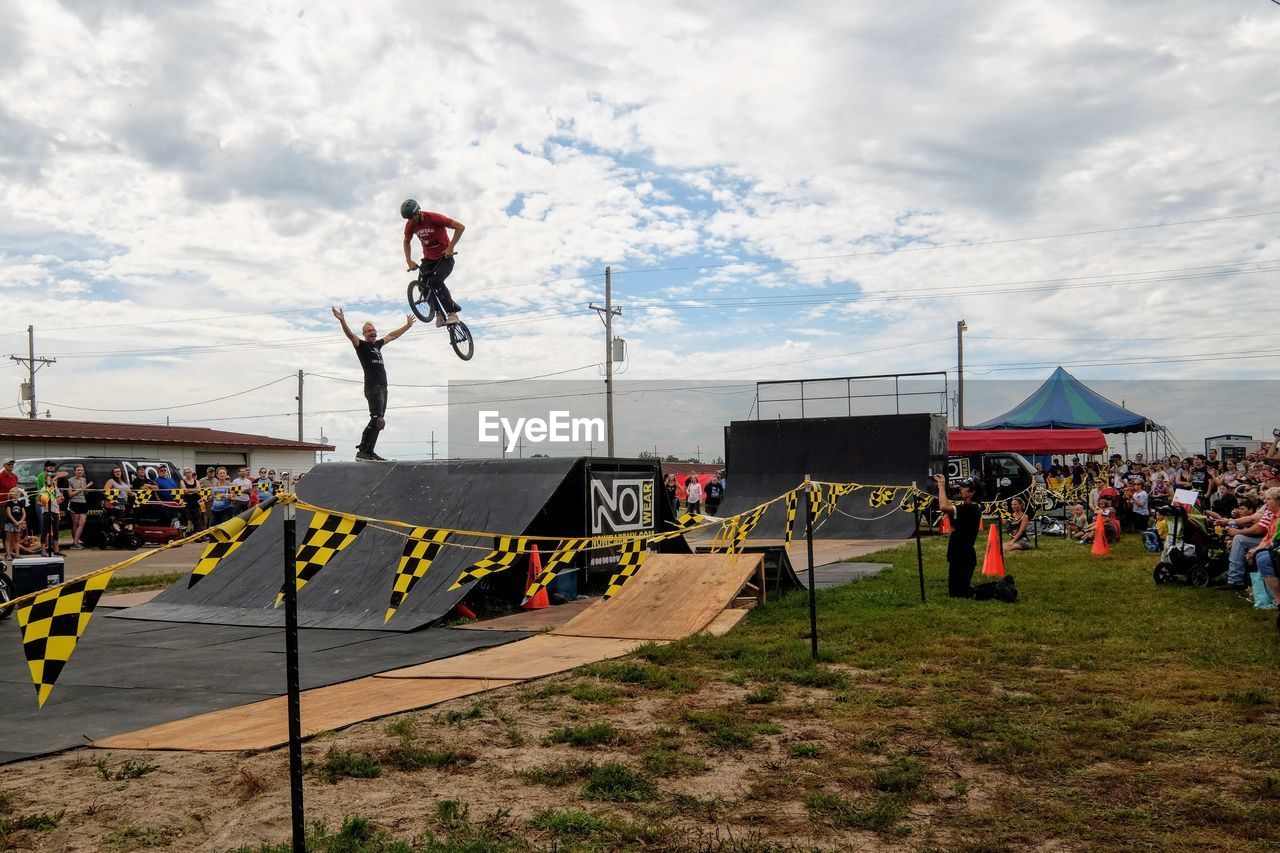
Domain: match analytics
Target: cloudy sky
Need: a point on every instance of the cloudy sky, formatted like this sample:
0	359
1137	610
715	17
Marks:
820	189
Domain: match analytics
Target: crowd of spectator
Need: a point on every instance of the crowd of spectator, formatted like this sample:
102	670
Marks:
1239	498
33	523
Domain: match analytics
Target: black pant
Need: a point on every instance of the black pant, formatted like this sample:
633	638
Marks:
377	397
960	565
433	275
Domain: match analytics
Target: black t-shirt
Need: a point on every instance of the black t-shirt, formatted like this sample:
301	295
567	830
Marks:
1225	504
1200	480
965	530
370	355
18	511
713	491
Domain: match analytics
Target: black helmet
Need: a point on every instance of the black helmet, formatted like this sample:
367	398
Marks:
408	208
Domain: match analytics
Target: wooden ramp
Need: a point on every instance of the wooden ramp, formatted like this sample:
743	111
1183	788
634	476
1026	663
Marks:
672	596
263	725
534	620
531	658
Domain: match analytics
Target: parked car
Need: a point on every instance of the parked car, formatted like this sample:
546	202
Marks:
97	470
1003	475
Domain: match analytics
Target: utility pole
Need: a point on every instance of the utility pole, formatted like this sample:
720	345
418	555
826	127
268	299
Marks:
30	361
961	328
607	314
299	405
433	445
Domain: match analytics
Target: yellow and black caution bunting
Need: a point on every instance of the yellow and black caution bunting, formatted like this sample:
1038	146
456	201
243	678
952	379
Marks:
51	625
420	548
743	525
329	533
228	536
882	496
504	553
112	495
792	502
206	495
564	554
632	558
142	496
687	520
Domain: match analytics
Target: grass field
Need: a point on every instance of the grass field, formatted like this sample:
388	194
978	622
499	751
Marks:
1099	712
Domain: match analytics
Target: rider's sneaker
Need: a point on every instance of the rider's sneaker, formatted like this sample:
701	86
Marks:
452	318
366	456
440	322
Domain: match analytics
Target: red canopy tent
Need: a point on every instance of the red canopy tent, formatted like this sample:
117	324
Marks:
1035	441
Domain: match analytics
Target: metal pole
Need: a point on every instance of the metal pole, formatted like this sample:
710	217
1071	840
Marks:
608	354
293	681
919	548
961	327
813	593
300	405
31	365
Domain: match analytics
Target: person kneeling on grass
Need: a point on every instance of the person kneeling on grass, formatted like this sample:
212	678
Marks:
962	557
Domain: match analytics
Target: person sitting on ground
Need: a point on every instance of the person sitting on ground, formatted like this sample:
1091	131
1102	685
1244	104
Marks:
1263	554
1244	532
1018	540
30	546
1077	519
1110	524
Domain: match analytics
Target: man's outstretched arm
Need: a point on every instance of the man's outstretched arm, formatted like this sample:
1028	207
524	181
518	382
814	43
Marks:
391	336
355	342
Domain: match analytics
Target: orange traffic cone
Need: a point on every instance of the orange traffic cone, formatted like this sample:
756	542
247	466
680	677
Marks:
945	529
540	599
463	611
982	523
993	562
1100	546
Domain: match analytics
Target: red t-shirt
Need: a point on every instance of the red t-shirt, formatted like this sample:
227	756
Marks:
7	483
430	228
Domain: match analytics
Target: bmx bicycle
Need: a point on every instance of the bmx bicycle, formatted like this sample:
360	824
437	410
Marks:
424	302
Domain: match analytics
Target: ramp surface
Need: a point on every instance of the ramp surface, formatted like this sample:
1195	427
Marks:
672	596
128	674
263	725
531	658
352	591
770	457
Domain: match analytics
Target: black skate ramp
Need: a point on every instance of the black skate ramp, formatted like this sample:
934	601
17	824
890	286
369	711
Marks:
539	497
353	590
769	457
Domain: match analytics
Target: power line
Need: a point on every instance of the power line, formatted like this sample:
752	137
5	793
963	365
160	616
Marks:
180	406
906	249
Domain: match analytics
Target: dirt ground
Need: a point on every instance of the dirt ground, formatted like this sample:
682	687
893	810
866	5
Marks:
213	801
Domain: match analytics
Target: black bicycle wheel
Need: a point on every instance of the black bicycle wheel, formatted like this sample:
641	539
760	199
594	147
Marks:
460	340
421	303
6	595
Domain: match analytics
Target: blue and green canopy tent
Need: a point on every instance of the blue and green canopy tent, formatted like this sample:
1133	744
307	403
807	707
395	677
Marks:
1064	402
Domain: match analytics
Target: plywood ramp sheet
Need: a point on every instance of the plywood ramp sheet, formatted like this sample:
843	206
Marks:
531	658
726	621
672	596
263	725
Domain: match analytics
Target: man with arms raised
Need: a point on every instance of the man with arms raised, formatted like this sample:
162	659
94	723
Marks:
369	351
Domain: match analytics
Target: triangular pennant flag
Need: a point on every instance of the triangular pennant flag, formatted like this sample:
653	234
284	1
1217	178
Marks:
632	558
993	561
565	552
328	534
227	537
420	549
689	519
792	502
743	525
51	624
881	497
504	553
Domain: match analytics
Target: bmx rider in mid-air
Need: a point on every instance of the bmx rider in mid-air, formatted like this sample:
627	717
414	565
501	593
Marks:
432	230
369	351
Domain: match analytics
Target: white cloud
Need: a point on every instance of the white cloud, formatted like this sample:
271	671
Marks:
223	158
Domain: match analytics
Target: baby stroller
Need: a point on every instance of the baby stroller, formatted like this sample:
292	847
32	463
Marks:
1192	553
